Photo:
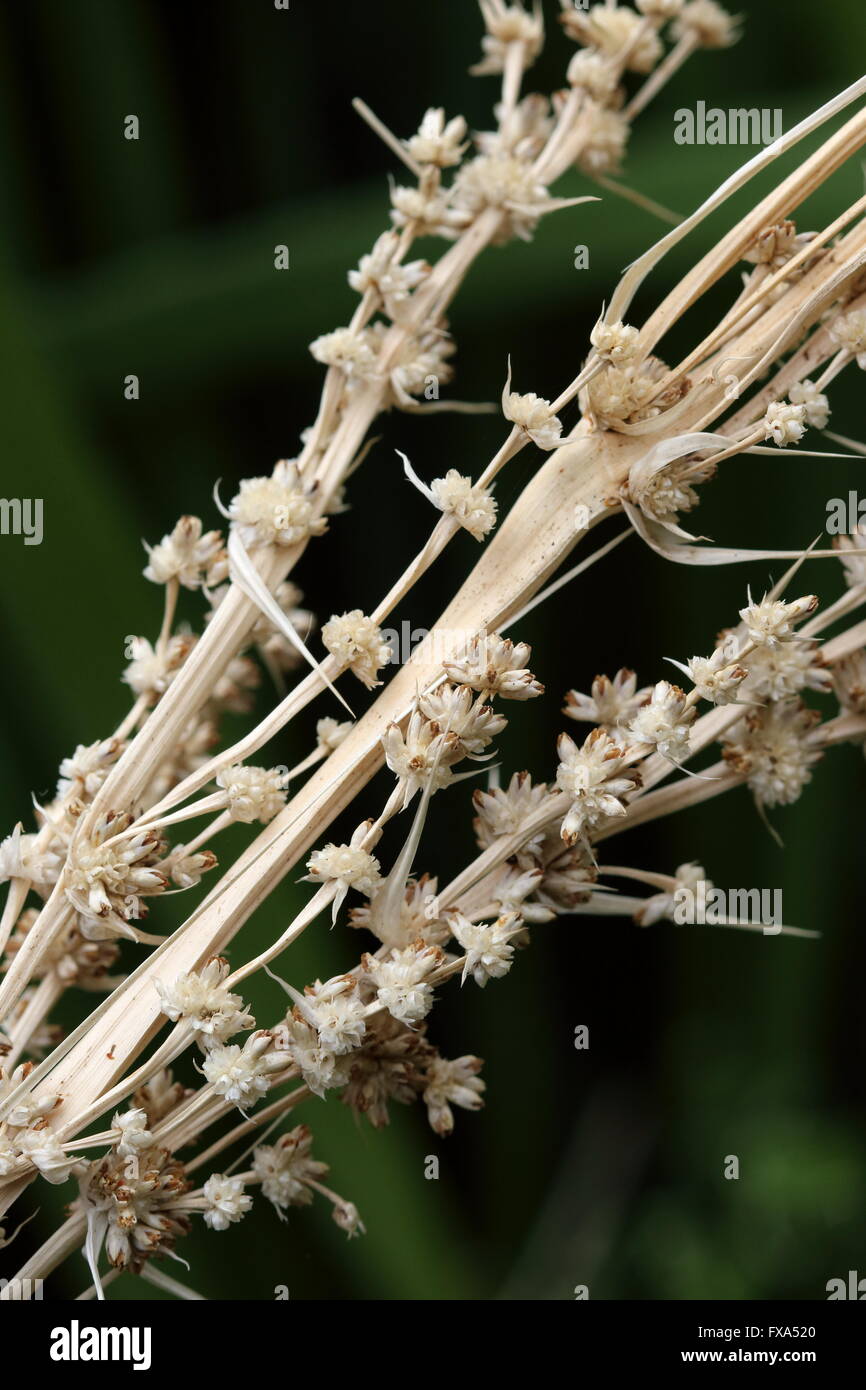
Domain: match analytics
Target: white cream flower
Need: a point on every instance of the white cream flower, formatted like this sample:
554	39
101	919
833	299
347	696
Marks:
286	1167
240	1074
816	404
707	22
785	423
402	980
596	777
771	748
610	702
438	142
226	1200
348	866
356	641
279	510
488	945
253	793
452	1083
202	997
495	665
772	621
186	554
615	342
664	721
472	506
532	414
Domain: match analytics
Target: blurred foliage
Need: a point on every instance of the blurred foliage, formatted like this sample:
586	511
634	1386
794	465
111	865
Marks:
156	257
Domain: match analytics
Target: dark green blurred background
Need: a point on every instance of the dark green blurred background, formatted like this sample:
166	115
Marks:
155	257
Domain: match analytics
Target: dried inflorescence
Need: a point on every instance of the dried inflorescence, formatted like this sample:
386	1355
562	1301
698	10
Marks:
648	438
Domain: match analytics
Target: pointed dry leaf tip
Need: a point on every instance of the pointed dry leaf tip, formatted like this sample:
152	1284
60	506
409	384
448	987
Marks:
186	554
438	142
250	582
615	31
597	779
279	510
772	621
494	665
203	999
347	866
506	25
664	722
770	748
708	24
614	342
849	332
253	793
225	1201
354	640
